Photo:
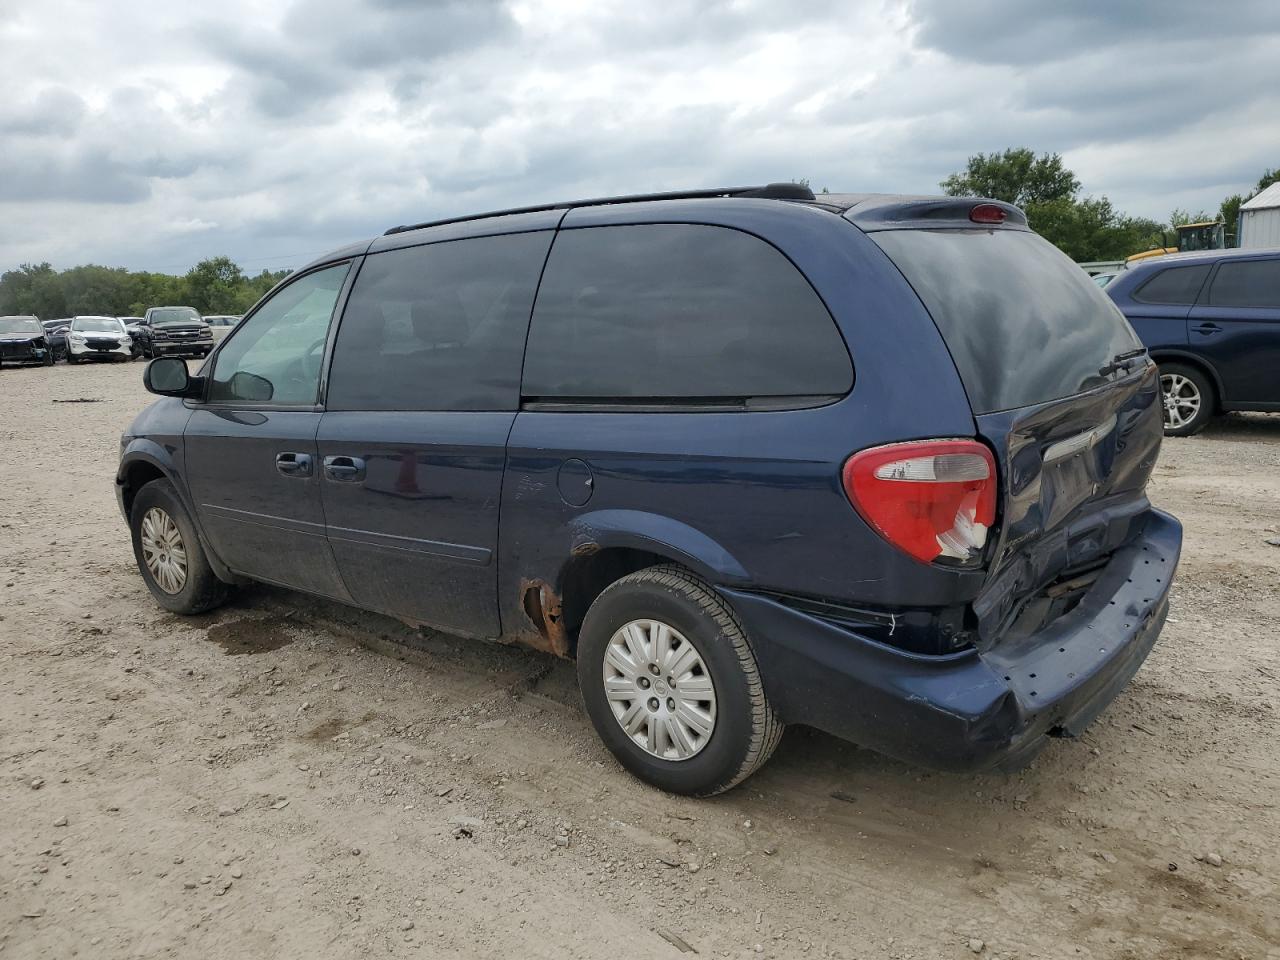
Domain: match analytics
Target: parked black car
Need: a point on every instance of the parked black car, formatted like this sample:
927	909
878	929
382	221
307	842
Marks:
1211	320
23	340
174	332
629	431
55	332
131	325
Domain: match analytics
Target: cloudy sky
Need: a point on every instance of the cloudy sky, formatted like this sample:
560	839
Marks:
150	134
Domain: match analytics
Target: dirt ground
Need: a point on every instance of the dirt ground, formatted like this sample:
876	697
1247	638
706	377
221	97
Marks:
290	778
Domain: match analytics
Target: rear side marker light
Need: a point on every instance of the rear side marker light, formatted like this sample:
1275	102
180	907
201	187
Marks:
930	498
987	213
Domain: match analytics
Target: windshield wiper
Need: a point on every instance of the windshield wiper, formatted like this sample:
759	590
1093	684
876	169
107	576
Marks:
1122	361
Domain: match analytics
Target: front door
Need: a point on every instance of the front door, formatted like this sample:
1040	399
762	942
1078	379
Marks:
252	463
422	391
1236	326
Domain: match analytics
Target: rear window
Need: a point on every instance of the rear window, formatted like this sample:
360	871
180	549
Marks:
1023	323
1177	285
671	312
1246	283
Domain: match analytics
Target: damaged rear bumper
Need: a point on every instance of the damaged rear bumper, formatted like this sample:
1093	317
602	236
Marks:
971	710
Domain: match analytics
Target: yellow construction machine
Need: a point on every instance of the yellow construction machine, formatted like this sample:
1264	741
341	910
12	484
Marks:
1206	235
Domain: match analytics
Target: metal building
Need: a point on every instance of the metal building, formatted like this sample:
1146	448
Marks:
1260	219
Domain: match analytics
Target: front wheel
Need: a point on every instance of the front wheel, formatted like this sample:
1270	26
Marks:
1188	397
671	684
169	555
48	358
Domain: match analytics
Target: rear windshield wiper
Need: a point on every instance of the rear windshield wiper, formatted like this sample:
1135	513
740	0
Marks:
1122	361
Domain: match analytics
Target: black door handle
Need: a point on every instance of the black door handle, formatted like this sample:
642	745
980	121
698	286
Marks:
294	464
345	469
1207	328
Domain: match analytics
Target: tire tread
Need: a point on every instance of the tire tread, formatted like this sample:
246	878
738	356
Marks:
766	727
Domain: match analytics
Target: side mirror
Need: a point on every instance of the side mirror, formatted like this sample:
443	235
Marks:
168	377
250	386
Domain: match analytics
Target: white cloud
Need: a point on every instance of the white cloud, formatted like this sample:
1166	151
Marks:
146	135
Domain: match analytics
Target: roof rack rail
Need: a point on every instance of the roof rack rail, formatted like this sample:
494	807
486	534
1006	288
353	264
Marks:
770	191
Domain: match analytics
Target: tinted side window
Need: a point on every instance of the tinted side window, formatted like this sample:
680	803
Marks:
679	311
438	327
276	355
1246	283
1177	285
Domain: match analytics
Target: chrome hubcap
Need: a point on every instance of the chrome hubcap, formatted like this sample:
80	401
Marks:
659	689
1181	400
163	550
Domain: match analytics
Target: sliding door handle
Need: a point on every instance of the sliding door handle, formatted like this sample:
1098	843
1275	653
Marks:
294	464
344	469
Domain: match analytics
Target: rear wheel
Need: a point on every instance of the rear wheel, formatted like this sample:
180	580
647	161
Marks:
1188	397
169	555
671	684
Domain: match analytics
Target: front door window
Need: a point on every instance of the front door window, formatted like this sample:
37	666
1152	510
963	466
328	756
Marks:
275	355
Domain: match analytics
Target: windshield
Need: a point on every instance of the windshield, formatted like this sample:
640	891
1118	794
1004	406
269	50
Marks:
165	315
1023	323
96	325
21	325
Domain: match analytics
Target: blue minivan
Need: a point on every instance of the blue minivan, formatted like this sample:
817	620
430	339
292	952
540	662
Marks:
1211	320
751	457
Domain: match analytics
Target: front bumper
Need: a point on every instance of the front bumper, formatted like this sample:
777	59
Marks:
85	352
181	348
22	352
971	710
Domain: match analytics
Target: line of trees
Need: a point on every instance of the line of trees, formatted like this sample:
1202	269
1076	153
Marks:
216	285
1085	228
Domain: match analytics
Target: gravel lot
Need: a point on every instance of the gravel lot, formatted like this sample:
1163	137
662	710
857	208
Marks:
291	778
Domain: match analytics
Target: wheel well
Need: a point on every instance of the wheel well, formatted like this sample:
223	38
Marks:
139	474
1196	364
587	576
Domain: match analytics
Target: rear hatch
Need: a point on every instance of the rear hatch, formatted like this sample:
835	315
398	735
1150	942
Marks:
1062	391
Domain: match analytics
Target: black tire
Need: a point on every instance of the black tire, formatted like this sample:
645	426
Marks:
1193	384
202	590
71	358
745	730
48	358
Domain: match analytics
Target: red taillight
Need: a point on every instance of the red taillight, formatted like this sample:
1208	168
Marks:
988	213
931	498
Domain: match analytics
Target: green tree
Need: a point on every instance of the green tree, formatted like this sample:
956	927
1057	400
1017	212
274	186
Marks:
1016	176
1085	228
216	285
1179	217
212	285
